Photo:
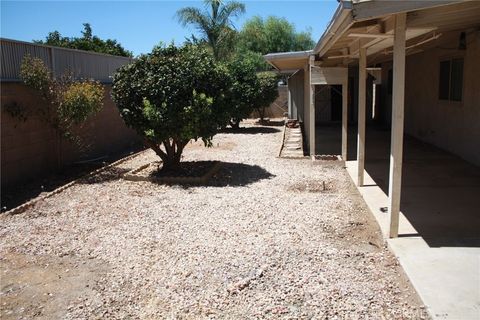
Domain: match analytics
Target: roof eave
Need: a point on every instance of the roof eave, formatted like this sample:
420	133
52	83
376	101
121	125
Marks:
341	21
288	55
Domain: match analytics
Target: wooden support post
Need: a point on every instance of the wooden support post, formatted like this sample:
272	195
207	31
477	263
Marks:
362	79
311	97
398	97
290	110
345	119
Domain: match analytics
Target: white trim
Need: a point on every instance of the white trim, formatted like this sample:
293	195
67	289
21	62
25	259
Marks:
288	55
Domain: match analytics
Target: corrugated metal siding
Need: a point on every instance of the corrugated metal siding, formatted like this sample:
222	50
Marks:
12	55
82	64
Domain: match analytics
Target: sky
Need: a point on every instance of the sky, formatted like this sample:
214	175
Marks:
140	25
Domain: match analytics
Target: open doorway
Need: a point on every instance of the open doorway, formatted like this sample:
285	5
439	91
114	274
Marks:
336	103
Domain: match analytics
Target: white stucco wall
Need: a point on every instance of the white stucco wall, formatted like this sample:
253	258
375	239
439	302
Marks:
452	126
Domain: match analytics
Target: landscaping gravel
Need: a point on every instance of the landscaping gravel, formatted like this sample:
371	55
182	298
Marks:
267	238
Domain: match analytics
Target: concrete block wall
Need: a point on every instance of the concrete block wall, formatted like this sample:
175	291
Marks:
29	149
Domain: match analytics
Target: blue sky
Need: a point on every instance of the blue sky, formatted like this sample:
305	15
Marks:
139	25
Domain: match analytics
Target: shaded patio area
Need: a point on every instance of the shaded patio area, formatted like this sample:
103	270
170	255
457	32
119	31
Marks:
439	243
439	191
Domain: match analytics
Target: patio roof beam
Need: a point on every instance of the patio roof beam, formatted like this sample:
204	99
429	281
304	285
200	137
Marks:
371	35
398	99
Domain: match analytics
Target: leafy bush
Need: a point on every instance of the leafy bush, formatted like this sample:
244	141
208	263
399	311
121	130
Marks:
36	75
80	100
250	90
67	102
171	96
244	90
267	91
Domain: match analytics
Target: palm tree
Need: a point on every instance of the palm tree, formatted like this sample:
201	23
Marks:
215	25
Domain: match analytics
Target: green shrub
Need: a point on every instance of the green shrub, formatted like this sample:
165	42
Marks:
171	96
244	89
267	91
36	75
67	102
250	90
80	100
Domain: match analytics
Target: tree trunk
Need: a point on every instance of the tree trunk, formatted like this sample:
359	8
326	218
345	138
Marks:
261	113
171	164
235	123
172	155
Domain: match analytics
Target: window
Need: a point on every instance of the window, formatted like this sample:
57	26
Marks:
451	80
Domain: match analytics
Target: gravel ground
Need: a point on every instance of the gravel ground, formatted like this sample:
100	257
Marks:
265	239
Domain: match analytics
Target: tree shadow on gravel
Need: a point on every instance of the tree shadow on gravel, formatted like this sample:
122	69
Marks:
250	130
109	174
229	175
238	174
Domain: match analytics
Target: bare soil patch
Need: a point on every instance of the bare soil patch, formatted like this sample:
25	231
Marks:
313	186
189	172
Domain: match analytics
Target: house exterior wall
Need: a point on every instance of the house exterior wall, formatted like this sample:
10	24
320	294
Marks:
452	126
295	85
29	148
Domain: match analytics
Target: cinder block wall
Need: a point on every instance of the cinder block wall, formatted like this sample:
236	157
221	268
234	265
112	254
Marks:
29	149
278	107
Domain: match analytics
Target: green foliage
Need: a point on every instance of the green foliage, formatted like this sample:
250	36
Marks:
79	101
272	34
36	75
255	58
87	42
171	96
243	91
267	91
214	24
66	102
250	90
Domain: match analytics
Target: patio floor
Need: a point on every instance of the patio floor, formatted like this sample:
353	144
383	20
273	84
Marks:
439	241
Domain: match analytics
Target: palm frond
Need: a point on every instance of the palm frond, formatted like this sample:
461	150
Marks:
193	16
230	10
190	15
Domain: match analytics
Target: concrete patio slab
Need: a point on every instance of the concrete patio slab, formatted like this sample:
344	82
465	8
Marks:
439	235
446	278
